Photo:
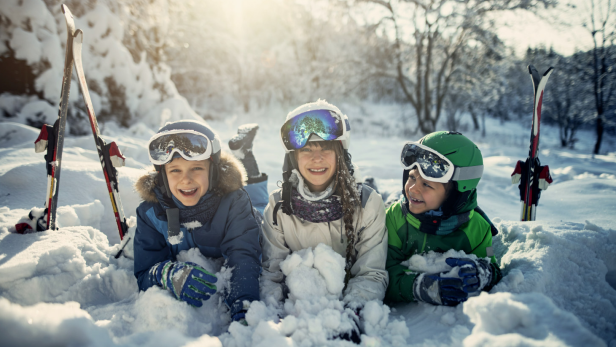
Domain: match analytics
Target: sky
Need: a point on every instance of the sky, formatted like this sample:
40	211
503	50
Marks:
523	29
559	27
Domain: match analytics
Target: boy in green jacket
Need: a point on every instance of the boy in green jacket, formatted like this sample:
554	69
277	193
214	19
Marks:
439	212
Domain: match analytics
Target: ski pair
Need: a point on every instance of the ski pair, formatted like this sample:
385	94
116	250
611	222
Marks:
51	139
531	176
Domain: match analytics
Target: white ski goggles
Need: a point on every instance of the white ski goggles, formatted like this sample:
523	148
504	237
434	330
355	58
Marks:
434	166
189	144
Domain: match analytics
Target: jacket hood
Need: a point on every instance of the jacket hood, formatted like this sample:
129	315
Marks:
231	177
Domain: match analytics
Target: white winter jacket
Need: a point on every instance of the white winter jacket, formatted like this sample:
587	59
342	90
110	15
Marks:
369	277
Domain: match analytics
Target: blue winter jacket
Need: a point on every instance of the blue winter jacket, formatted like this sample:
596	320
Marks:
233	233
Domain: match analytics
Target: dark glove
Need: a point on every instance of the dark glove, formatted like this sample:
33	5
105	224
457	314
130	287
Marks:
187	281
472	272
355	334
437	290
35	221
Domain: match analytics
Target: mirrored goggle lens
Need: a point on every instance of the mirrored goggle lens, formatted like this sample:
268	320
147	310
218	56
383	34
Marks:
430	163
189	145
297	130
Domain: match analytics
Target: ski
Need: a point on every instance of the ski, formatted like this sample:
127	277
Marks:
51	138
531	176
109	154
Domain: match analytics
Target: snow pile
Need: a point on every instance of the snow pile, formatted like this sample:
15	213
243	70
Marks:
71	264
567	262
49	325
314	315
120	88
314	274
529	319
93	292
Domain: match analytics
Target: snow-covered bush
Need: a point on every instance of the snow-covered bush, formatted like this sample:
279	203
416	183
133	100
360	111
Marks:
122	88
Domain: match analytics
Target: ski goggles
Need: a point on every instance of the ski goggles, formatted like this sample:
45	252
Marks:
189	144
434	166
327	125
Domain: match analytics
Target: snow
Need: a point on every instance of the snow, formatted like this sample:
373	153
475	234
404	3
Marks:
528	319
65	287
192	225
26	46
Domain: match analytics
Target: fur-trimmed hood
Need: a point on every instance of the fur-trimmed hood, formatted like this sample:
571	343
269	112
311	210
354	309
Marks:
231	177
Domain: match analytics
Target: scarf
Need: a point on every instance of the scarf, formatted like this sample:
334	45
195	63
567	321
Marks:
324	210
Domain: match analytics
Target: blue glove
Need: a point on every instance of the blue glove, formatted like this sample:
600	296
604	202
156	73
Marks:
437	290
187	281
472	272
240	317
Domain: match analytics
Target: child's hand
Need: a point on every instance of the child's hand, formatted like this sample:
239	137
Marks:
438	290
475	274
187	281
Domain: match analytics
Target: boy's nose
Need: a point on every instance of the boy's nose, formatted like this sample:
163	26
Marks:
414	188
187	177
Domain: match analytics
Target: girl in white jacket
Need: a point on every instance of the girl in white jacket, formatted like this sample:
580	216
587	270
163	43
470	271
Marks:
320	202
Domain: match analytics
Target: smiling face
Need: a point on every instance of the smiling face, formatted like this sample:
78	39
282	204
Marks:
423	195
317	164
188	180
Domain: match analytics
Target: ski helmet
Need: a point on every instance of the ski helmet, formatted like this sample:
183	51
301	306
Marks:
461	151
315	121
188	127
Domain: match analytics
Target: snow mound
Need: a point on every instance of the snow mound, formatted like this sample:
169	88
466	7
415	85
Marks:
69	264
14	135
314	315
553	258
312	274
529	319
49	325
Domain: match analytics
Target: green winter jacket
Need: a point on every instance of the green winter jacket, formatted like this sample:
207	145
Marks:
405	240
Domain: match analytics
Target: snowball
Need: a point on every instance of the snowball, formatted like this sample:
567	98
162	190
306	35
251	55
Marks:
331	267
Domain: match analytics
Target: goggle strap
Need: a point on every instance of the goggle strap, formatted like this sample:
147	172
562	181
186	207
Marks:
467	173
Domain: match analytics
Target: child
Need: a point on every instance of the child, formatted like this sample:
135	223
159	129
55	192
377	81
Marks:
439	212
195	199
321	203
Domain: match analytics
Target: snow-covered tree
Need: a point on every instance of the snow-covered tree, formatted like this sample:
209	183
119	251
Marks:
432	39
122	88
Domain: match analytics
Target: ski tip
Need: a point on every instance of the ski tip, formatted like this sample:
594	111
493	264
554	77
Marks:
78	36
65	10
532	70
548	71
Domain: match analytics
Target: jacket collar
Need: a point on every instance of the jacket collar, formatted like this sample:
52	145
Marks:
439	223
